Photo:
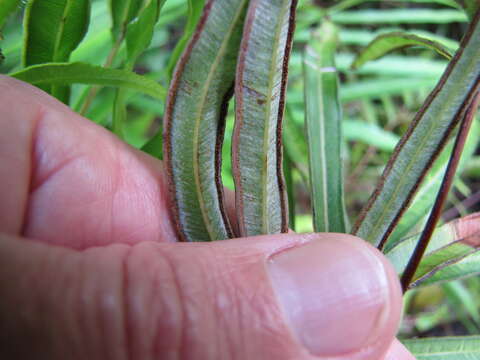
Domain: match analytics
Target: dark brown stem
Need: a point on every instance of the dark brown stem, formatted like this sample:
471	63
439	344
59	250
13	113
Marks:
447	181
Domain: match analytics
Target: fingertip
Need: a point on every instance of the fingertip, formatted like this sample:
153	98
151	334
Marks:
340	296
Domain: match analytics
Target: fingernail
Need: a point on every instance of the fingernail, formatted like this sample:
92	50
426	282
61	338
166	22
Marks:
334	292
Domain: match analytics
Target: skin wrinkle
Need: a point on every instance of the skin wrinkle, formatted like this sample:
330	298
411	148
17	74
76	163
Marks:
151	278
179	348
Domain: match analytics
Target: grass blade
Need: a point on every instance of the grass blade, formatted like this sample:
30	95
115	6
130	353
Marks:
81	73
385	43
259	92
122	13
194	11
399	16
451	348
194	122
323	118
423	141
138	35
52	30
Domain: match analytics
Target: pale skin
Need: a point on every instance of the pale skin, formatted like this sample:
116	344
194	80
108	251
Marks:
90	267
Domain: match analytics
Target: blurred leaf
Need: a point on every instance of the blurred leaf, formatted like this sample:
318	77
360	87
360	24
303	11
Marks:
365	89
154	146
422	143
451	348
80	73
369	133
323	126
399	16
6	8
386	43
392	65
345	4
122	13
194	12
139	34
52	30
462	298
359	36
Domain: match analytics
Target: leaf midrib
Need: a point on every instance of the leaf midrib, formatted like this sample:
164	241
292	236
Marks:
198	120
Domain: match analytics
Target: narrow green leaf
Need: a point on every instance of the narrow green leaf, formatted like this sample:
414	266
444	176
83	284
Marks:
463	299
139	34
362	37
260	85
465	267
369	89
441	258
6	8
323	124
346	4
385	43
194	122
194	11
370	134
80	73
423	141
442	348
399	16
464	231
52	30
122	13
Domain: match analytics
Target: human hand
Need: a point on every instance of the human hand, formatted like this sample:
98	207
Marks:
90	267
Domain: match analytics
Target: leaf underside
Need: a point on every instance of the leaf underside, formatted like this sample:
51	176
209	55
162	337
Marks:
194	121
260	196
385	43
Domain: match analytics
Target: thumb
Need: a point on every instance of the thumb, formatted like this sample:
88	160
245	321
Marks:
322	296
